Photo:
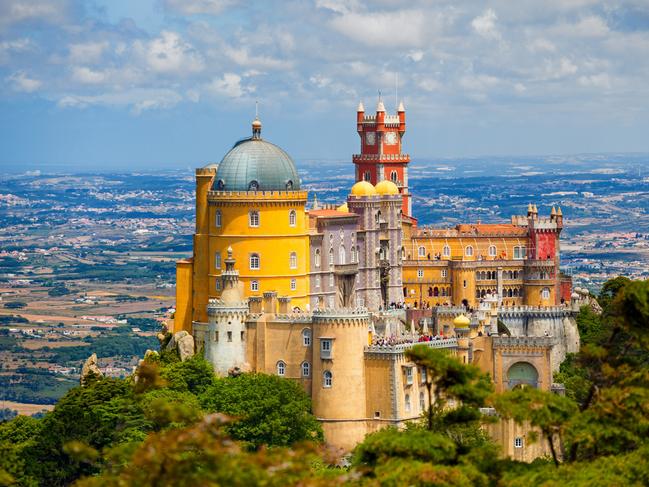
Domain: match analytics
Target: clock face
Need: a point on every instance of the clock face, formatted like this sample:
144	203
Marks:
370	138
390	138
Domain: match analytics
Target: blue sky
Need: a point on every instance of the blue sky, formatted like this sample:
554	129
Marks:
173	83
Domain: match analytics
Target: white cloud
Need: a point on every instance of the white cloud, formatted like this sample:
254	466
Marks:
86	75
14	46
387	30
559	69
87	52
485	25
229	85
21	82
241	56
16	11
169	53
192	7
542	45
338	6
429	84
138	100
416	55
601	80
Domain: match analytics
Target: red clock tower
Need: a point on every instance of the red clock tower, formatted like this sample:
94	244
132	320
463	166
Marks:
381	156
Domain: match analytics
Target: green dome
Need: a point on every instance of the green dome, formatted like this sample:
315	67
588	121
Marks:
256	165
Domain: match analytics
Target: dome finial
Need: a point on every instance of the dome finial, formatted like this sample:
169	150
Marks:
256	123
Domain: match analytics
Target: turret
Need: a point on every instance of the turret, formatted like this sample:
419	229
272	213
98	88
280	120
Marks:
380	115
360	114
401	112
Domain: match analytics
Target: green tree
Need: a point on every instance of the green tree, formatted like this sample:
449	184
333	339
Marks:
194	375
16	436
610	290
269	410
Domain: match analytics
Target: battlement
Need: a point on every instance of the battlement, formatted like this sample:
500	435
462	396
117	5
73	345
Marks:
517	342
206	171
243	197
402	347
545	311
341	314
405	158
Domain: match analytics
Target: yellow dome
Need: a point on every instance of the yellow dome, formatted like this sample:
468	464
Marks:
363	188
343	208
387	187
461	321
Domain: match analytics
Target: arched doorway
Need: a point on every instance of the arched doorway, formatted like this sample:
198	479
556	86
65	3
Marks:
522	374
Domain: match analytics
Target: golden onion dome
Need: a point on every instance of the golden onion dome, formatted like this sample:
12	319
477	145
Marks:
461	321
387	187
343	208
363	188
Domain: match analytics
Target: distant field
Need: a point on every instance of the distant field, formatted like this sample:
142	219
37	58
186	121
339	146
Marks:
25	408
38	344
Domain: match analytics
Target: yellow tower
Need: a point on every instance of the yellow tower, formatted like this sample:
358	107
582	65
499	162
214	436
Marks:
461	325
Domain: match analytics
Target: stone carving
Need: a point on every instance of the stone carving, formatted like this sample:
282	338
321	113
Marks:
90	369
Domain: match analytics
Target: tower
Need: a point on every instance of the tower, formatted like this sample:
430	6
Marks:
381	157
225	336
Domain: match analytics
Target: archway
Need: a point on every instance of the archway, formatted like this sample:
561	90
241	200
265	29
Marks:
522	374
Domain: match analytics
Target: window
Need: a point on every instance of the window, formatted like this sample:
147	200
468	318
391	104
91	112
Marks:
229	336
327	379
254	262
218	218
325	348
468	251
353	255
518	442
292	260
331	256
217	261
330	301
545	293
421	251
292	218
377	217
464	284
216	336
422	375
306	369
331	280
317	282
243	335
317	258
394	176
492	251
367	176
407	403
218	284
420	273
517	252
409	375
253	218
342	255
422	401
254	285
446	251
281	368
293	284
306	337
444	273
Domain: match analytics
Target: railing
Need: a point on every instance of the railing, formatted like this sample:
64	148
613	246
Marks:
402	347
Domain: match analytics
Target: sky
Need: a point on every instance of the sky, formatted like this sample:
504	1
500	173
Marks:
146	84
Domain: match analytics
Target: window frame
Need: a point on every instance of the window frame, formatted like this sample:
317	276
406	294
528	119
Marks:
254	257
306	337
305	368
281	368
327	379
254	220
421	251
218	219
292	260
292	218
254	285
293	284
446	251
217	260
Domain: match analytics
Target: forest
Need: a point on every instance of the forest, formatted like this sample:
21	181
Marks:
176	423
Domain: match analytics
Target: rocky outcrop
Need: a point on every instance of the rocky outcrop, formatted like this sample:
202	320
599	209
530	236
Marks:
90	370
594	306
183	343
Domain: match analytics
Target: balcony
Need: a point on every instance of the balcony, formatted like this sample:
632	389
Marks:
346	269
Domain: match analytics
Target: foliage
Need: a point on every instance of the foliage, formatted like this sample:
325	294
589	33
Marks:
194	375
147	324
16	436
269	410
58	290
610	290
15	304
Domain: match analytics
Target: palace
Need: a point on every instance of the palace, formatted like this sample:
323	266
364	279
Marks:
333	296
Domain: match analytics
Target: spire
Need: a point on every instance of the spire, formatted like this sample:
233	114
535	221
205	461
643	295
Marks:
553	212
230	281
360	108
401	107
559	212
534	209
380	107
316	205
256	123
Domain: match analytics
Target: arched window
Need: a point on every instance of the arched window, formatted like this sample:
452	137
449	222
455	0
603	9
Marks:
421	251
281	368
331	256
422	401
253	218
394	176
327	379
468	251
435	291
446	251
516	292
378	217
254	285
430	292
407	403
367	176
293	284
443	291
306	337
342	255
253	186
353	254
317	257
306	369
254	262
522	373
218	219
545	293
292	218
217	260
292	260
492	251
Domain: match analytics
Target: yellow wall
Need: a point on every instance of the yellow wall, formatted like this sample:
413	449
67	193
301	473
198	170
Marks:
183	315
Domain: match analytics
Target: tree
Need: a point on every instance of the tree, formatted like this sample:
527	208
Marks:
16	436
547	411
610	290
269	410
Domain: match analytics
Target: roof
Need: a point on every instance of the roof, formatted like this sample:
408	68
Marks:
363	188
329	213
475	230
254	164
